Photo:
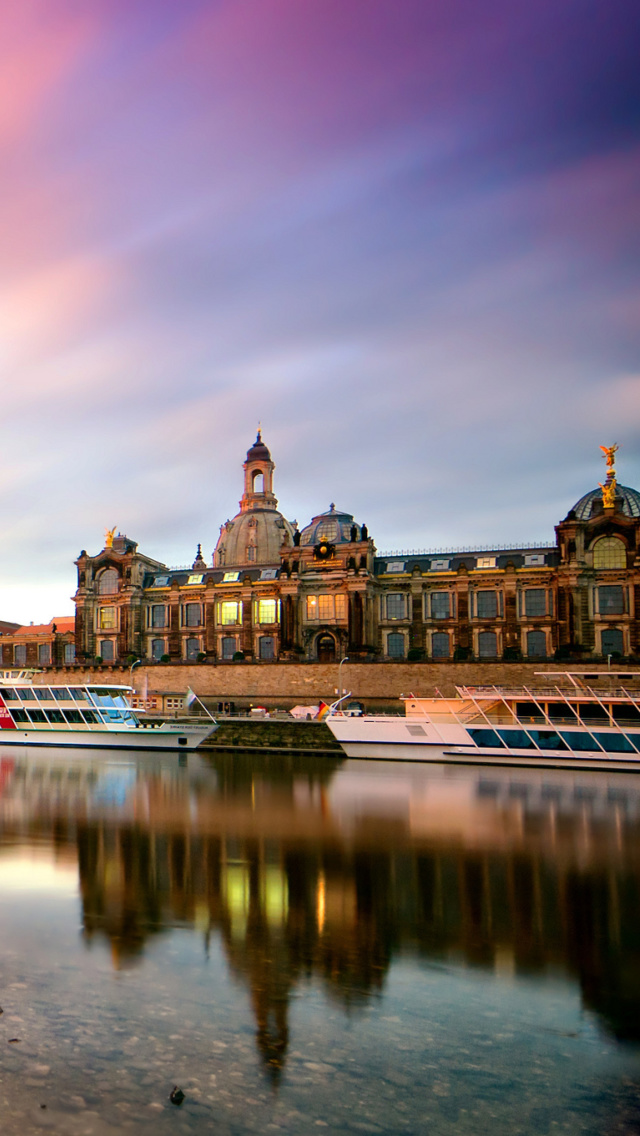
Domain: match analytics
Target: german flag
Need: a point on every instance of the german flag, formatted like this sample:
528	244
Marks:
323	710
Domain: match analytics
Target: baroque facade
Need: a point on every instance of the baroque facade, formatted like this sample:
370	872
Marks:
276	592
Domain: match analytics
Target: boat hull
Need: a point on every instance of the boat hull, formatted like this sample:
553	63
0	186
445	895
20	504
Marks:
143	739
472	755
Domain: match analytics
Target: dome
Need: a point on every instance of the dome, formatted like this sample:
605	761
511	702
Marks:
253	537
258	451
630	499
333	526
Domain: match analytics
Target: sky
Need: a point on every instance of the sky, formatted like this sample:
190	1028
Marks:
401	234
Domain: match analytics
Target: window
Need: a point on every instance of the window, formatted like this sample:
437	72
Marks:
108	582
230	577
440	605
535	602
327	530
195	578
341	607
267	611
106	650
536	644
107	618
487	644
192	649
20	654
69	652
395	566
611	599
312	607
267	647
251	553
486	605
191	615
534	559
440	645
395	645
396	605
439	566
325	607
268	573
161	581
609	552
157	649
486	562
230	612
612	641
228	646
157	615
44	654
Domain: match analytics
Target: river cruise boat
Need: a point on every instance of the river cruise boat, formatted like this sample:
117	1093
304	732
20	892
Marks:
87	715
573	718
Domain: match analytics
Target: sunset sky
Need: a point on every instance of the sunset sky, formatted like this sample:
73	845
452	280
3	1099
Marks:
402	234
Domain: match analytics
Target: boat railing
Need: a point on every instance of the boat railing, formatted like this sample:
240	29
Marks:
527	694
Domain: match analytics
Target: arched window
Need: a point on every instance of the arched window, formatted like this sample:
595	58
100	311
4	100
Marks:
108	582
258	482
612	641
487	645
536	644
228	646
440	645
609	552
157	649
192	648
395	645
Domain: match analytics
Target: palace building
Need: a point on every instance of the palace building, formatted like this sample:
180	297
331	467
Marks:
273	591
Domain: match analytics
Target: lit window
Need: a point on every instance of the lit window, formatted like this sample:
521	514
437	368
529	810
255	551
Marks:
487	645
228	646
191	615
192	649
312	607
267	647
487	605
230	577
535	602
440	645
267	611
396	605
108	582
609	552
395	645
439	566
20	654
157	615
440	607
107	618
157	649
612	641
486	562
536	644
611	600
69	652
230	612
341	607
195	578
44	654
106	650
325	607
395	566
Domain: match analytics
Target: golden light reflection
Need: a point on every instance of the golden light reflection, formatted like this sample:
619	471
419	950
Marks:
321	902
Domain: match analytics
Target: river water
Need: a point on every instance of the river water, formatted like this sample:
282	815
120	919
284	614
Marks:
305	945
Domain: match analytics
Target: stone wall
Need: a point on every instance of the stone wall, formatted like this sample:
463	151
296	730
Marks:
378	685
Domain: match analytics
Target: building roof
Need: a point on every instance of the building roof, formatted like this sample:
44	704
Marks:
258	451
63	625
333	526
629	502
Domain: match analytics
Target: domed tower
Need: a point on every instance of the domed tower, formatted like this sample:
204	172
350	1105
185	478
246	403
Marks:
257	533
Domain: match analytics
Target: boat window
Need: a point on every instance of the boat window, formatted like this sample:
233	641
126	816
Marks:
74	717
54	715
61	694
593	712
580	741
561	712
36	715
548	739
43	694
516	739
9	695
102	698
19	715
615	743
78	694
529	712
26	694
90	716
485	738
630	715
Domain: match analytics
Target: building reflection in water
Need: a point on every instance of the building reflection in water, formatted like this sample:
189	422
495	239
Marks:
327	873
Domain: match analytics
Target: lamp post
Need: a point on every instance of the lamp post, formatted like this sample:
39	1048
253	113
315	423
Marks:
136	664
342	661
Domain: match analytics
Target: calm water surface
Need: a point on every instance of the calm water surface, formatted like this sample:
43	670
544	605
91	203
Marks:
306	945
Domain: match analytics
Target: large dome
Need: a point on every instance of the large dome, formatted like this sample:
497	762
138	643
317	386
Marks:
630	499
254	537
333	526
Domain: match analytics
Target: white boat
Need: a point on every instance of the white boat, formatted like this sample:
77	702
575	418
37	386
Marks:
567	722
87	715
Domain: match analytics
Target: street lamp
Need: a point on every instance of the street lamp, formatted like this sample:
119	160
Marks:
136	664
345	660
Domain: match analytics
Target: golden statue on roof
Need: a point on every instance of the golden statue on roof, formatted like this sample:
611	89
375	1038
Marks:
108	536
609	488
609	453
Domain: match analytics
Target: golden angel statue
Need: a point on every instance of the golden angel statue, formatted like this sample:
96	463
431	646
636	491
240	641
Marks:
608	493
609	453
108	536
